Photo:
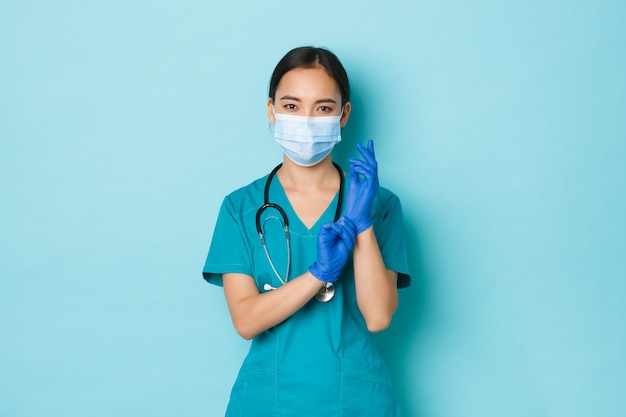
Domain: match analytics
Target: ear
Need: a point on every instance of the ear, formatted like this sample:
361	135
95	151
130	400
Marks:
346	114
270	111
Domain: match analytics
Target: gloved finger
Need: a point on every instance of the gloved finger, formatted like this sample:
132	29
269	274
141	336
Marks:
346	246
370	147
364	169
328	233
354	177
332	228
368	153
356	173
349	237
344	221
360	163
369	161
355	161
348	228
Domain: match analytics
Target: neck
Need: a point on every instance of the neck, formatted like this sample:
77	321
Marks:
322	175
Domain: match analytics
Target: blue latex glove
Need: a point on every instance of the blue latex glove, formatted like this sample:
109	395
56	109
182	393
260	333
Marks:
361	192
334	243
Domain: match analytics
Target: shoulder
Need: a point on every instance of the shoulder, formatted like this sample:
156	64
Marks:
247	198
386	194
386	200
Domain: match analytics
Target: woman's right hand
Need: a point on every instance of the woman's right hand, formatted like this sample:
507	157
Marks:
334	243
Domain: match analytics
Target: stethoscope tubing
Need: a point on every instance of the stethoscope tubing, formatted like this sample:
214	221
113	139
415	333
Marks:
328	290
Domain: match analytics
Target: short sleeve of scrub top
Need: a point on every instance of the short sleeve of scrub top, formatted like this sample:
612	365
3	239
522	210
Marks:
228	252
389	230
231	251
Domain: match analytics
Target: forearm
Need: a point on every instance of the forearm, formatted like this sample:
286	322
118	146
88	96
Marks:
376	291
253	312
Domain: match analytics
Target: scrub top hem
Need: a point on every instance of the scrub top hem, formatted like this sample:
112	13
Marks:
212	276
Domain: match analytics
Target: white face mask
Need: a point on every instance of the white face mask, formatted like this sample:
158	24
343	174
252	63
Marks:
307	140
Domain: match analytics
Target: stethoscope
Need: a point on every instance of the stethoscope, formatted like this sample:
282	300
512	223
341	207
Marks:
327	292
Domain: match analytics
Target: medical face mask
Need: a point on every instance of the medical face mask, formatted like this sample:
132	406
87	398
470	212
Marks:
307	140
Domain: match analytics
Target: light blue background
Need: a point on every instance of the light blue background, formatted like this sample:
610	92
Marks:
501	125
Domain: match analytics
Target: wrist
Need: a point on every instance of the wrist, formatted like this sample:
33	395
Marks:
368	228
318	272
362	225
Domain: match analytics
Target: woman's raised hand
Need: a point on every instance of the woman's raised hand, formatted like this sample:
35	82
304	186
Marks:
362	191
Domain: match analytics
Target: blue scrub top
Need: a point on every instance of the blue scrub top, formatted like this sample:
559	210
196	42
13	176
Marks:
321	361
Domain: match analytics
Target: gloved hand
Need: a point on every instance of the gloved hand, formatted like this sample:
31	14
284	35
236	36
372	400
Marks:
361	192
334	243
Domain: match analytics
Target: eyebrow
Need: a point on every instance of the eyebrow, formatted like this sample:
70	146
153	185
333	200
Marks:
323	100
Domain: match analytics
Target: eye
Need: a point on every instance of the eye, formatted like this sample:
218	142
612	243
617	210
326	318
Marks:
290	107
325	109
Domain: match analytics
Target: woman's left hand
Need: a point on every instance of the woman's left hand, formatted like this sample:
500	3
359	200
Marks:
361	192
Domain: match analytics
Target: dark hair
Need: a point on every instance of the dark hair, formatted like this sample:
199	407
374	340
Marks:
310	57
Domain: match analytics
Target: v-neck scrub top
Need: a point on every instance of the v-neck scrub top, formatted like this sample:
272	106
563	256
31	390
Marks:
321	361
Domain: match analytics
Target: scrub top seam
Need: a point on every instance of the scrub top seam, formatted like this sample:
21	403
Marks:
341	391
276	387
246	213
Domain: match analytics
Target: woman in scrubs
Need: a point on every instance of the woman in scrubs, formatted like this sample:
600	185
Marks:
311	357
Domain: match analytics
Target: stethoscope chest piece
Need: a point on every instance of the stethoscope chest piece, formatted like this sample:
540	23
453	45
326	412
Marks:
326	293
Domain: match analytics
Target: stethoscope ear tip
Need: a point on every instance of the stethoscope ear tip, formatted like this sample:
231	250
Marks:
268	287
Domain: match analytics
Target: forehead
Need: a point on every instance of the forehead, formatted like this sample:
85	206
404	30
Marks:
308	82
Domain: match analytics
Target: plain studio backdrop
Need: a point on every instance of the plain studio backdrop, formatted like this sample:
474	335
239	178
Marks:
500	124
